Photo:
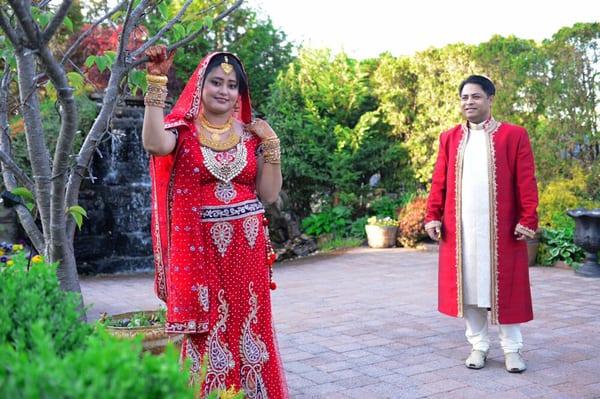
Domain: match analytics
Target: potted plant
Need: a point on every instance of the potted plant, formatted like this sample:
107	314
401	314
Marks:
149	323
381	232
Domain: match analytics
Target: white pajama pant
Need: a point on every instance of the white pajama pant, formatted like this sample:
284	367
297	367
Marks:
477	331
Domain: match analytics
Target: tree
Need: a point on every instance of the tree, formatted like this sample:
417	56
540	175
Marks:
439	72
29	30
572	95
333	134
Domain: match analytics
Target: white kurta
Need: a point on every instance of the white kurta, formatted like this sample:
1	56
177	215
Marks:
475	217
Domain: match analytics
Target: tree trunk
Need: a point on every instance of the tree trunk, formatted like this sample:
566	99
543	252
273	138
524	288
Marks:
36	143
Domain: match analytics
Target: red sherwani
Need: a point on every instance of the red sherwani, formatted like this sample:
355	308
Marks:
513	202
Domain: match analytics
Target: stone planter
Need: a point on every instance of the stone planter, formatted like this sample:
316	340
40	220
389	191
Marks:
587	236
155	338
381	237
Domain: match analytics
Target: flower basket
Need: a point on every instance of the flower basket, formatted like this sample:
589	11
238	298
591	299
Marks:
381	236
155	338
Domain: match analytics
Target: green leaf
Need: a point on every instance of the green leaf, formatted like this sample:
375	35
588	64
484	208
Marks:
23	193
75	80
111	55
179	31
163	9
208	22
77	212
78	220
137	80
43	19
90	61
102	63
115	17
69	24
78	209
193	27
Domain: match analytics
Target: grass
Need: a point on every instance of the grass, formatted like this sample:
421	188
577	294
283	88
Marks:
339	243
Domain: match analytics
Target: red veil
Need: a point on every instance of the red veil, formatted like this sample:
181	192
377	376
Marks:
183	115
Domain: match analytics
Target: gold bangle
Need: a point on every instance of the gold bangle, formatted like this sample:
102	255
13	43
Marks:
158	79
159	90
272	151
155	96
154	102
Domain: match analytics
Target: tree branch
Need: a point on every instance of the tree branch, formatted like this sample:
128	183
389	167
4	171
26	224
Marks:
56	21
191	36
6	162
162	31
194	35
29	26
85	34
9	164
8	29
25	217
131	20
34	132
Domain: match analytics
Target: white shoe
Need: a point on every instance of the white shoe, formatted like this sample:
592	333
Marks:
514	362
476	359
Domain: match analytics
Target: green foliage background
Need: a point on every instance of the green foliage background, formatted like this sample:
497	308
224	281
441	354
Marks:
341	120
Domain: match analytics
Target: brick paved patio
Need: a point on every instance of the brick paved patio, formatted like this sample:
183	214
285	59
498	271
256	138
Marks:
364	324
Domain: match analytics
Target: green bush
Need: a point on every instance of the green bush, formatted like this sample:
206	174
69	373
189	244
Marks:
558	245
357	228
34	296
105	367
562	194
48	351
334	221
384	206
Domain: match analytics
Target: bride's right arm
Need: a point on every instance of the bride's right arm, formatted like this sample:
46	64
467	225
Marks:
155	139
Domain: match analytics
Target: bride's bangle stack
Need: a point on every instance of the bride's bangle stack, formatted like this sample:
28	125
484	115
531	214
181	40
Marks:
272	150
156	93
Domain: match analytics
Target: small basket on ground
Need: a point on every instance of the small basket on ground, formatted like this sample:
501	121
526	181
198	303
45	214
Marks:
155	338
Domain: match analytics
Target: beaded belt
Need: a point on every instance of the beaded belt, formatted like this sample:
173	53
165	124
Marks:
232	211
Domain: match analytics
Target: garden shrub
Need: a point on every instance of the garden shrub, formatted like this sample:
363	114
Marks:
48	351
557	245
357	228
34	296
335	221
105	367
556	199
384	206
559	196
410	226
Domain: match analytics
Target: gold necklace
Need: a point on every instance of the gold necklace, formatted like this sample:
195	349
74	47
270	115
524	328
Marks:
215	130
224	145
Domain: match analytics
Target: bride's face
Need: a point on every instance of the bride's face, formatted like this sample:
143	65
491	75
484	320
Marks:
220	91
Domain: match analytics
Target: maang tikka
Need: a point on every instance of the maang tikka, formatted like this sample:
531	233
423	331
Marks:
226	66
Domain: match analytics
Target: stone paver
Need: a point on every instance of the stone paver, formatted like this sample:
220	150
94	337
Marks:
364	324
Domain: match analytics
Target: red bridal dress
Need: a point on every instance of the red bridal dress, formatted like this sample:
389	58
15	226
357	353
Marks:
211	250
